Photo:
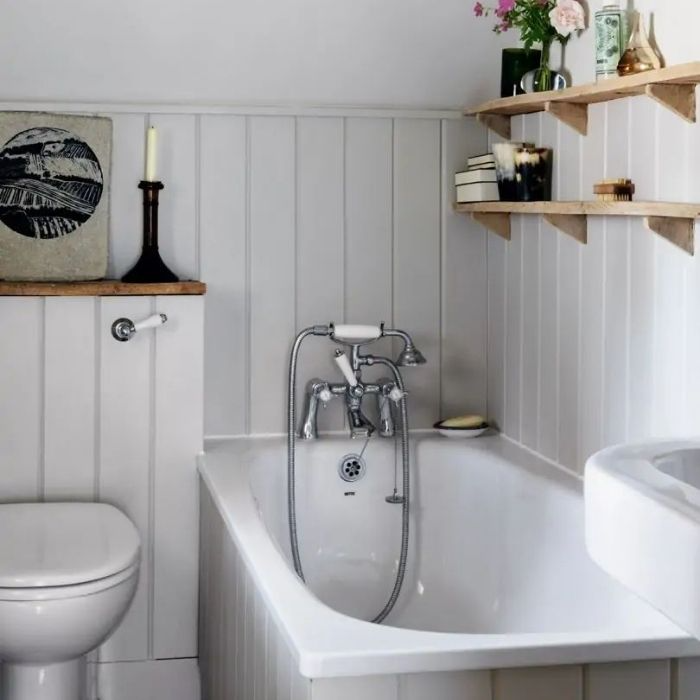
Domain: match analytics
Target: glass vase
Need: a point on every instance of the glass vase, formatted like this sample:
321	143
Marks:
543	76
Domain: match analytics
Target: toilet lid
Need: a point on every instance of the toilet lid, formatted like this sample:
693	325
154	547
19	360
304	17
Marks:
61	544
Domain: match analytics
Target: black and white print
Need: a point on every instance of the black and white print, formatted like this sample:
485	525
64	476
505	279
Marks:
51	182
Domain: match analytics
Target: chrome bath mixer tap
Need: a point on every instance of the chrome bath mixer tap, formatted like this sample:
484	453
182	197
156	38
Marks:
353	390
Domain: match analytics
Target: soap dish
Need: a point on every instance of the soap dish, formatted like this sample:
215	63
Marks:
461	433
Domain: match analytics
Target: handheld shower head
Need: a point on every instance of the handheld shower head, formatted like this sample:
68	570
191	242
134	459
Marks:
410	356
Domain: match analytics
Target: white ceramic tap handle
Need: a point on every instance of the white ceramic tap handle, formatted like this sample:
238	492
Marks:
354	334
325	396
396	394
341	359
150	322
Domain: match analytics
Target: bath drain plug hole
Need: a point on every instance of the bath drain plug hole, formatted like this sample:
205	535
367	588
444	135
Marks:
352	467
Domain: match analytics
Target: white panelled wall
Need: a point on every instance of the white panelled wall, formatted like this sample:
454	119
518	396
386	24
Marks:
308	220
88	418
298	220
595	345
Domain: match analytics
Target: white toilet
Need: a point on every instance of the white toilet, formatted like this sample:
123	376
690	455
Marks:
68	572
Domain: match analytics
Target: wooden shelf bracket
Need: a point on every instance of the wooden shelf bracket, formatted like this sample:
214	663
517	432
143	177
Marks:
573	114
680	99
497	223
574	225
499	123
680	232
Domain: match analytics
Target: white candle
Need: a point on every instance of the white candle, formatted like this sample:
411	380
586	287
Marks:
151	155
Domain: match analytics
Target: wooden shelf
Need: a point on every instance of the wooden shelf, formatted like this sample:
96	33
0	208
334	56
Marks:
673	221
101	288
672	87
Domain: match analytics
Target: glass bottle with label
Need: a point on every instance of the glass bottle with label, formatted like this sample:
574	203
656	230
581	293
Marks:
611	36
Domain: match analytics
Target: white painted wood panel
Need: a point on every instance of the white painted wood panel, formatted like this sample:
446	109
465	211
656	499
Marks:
531	284
514	314
124	474
417	207
243	655
368	254
643	165
178	169
366	687
320	249
463	280
126	220
555	683
691	409
368	220
169	679
223	264
671	268
177	440
569	160
457	685
591	356
514	329
21	398
644	680
687	678
497	320
272	268
70	412
548	369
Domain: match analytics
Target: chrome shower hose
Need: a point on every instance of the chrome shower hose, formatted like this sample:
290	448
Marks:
291	468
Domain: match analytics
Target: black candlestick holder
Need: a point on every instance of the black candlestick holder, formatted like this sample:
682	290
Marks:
150	266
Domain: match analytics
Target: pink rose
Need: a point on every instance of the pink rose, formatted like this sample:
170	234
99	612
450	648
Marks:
505	6
567	16
479	9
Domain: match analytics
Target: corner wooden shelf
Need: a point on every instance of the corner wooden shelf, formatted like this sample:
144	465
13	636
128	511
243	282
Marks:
672	87
673	221
101	288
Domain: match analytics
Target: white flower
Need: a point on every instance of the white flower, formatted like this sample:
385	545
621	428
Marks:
567	17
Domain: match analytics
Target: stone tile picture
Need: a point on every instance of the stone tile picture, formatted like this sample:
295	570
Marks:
50	182
54	196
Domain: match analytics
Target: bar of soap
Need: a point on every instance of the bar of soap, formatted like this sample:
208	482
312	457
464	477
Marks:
473	421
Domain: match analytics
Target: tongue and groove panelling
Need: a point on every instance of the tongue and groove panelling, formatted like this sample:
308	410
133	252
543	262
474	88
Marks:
88	418
291	220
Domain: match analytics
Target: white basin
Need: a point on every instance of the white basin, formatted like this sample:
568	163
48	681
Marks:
642	505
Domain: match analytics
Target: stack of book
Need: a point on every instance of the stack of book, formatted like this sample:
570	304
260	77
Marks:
478	182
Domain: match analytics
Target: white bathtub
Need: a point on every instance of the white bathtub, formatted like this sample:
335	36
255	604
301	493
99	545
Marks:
498	575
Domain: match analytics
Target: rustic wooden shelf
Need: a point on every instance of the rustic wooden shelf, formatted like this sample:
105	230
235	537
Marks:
672	87
673	221
101	288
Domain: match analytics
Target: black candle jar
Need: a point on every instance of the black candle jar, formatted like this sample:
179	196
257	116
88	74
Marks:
533	174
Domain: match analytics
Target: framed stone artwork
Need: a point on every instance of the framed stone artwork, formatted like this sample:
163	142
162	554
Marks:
54	196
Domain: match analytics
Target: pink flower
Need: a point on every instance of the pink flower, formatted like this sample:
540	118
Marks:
479	9
505	6
567	17
503	26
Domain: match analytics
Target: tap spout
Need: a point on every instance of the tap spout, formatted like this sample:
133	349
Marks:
360	425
